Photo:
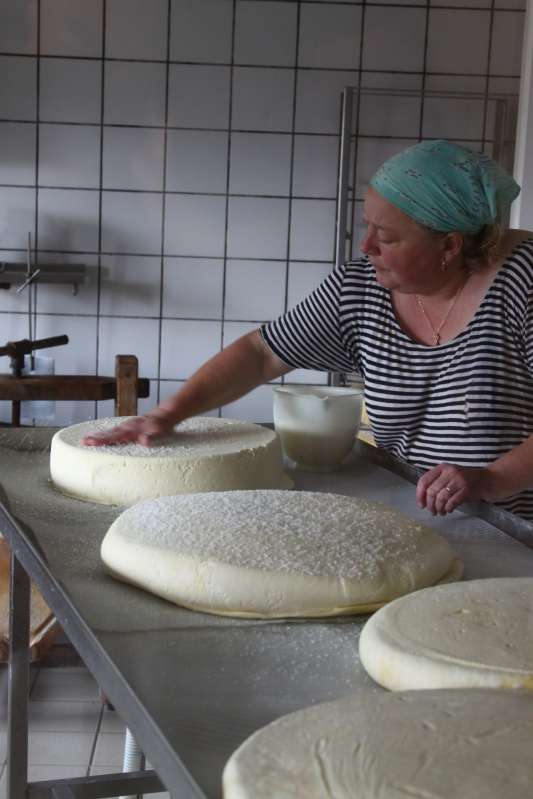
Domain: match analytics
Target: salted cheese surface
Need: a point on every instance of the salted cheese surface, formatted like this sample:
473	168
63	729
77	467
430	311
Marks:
478	633
376	745
274	553
204	454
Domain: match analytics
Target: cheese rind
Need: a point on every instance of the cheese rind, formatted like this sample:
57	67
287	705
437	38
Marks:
476	634
424	744
274	554
205	454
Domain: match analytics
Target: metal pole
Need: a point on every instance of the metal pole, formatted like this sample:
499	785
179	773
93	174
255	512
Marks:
342	180
133	759
335	378
19	681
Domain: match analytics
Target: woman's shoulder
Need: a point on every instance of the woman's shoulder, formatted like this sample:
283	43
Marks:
517	256
514	278
359	269
517	242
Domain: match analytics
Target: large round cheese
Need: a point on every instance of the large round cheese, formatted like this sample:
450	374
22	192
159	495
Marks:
204	454
274	553
412	745
478	633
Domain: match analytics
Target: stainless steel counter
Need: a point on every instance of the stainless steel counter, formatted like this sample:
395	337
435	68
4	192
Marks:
190	686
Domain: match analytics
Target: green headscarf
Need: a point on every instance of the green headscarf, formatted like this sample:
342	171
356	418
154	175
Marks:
446	187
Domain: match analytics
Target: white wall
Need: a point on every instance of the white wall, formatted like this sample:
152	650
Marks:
186	150
522	214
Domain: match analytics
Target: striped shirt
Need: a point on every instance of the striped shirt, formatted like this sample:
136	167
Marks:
465	402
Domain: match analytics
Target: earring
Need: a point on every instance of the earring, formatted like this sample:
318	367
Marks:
444	264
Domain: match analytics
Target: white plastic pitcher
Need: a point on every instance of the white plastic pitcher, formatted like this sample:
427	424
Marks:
317	425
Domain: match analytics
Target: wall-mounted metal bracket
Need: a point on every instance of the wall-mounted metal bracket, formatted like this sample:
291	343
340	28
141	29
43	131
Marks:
16	274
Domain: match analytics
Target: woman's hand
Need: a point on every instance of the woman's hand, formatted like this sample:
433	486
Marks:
143	430
443	488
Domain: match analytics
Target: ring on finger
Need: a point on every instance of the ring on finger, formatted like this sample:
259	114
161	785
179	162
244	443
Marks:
449	489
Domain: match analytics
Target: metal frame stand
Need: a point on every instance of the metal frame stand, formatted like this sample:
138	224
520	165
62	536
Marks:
98	787
19	681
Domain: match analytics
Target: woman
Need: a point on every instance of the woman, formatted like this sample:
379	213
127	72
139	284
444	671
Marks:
438	319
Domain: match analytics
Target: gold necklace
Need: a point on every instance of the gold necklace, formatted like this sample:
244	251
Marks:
436	330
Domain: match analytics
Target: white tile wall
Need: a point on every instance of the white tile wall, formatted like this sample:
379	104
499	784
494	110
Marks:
133	158
317	99
201	31
400	112
458	83
330	37
119	335
463	32
134	93
178	358
257	227
17	216
197	160
18	88
193	287
69	155
68	219
506	51
79	355
315	166
61	298
131	222
17	145
453	118
194	225
130	285
265	33
394	38
262	98
255	289
393	80
312	229
191	162
304	278
260	163
69	90
136	29
71	28
198	96
18	32
10	300
13	326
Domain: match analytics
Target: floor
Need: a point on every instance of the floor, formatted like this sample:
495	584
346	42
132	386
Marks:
72	733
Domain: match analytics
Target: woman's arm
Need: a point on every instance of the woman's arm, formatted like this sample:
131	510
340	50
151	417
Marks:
446	486
233	372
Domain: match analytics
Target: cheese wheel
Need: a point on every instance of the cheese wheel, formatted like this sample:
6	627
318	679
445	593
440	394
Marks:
274	553
204	454
474	634
417	744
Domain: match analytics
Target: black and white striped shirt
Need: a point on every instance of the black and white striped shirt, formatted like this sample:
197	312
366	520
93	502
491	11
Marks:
464	402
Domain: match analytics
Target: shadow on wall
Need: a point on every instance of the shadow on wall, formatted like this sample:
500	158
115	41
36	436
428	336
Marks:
61	237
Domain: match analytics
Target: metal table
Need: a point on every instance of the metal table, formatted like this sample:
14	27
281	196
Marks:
190	686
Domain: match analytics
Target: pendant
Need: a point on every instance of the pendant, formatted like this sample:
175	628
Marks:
437	339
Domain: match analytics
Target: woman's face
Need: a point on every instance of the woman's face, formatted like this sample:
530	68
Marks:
405	256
